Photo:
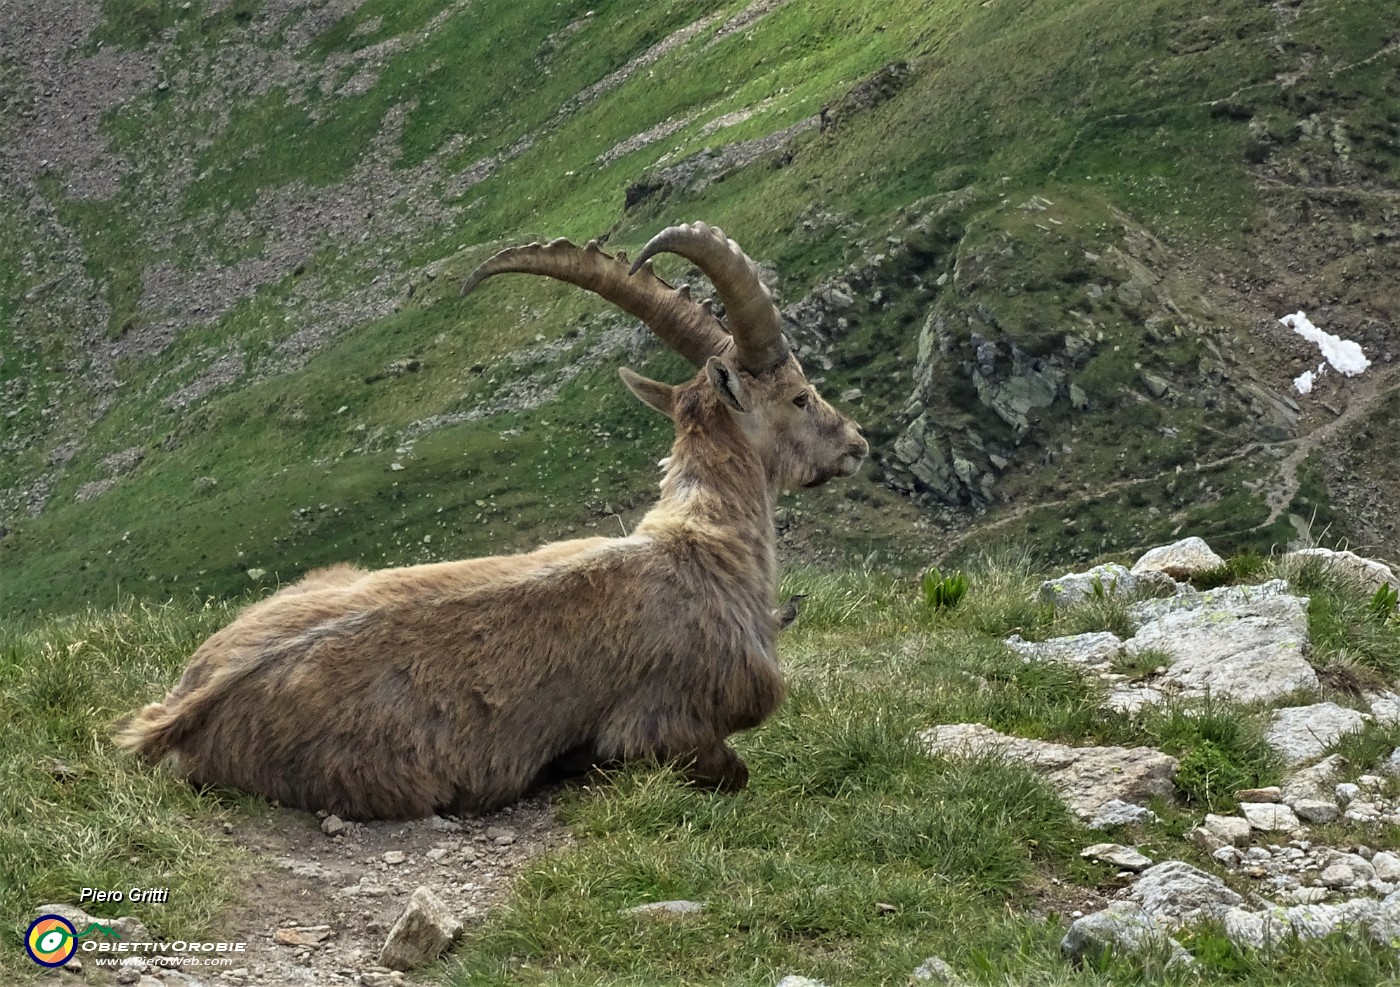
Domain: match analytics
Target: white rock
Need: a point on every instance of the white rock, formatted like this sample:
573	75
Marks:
1122	927
1110	579
1240	642
1386	866
792	980
1301	733
1315	810
1347	792
424	930
1269	816
1180	560
1230	829
1119	856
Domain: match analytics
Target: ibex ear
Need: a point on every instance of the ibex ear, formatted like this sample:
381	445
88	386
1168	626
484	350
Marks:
725	381
651	393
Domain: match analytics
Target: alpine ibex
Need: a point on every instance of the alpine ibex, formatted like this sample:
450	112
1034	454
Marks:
456	686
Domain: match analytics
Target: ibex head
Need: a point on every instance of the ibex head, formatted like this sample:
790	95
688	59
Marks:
801	439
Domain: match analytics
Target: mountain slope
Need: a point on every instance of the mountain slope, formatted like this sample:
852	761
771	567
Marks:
1047	242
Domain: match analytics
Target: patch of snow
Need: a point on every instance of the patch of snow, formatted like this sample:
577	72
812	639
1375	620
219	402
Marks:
1344	355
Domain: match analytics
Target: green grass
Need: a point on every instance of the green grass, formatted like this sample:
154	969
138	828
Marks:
75	812
851	857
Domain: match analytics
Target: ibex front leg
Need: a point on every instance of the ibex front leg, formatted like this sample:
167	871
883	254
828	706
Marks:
717	767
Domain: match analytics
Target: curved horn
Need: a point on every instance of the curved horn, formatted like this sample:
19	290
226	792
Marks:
754	320
682	324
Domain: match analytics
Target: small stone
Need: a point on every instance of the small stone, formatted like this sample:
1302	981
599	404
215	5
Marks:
421	934
332	825
1346	792
441	825
1316	810
936	970
1371	783
228	829
1271	794
1119	856
500	835
1269	816
1230	829
792	980
1386	866
394	857
438	854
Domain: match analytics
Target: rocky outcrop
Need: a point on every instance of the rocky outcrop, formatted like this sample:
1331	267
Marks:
1087	778
1242	642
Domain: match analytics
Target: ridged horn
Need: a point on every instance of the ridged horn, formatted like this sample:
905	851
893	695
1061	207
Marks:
754	321
683	325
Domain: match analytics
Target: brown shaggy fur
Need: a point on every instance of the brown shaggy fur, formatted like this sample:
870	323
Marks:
456	686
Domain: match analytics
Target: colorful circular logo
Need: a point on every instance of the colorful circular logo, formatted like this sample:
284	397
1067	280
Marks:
51	940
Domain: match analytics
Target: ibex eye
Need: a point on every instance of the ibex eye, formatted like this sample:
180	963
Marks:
800	400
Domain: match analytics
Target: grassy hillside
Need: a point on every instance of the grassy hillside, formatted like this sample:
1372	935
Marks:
209	308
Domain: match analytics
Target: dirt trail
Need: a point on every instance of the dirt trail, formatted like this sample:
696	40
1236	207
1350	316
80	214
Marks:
1366	393
317	908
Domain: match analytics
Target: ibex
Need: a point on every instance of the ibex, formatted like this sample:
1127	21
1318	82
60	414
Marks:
456	686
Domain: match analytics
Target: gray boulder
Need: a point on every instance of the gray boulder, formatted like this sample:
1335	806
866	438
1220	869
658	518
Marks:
1240	642
1179	560
1301	733
1122	927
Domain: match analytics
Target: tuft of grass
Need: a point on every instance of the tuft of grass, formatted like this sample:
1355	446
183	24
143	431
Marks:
1246	567
1220	746
1141	664
1367	748
1342	620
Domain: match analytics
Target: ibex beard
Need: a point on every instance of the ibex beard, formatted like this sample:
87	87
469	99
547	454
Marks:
456	686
